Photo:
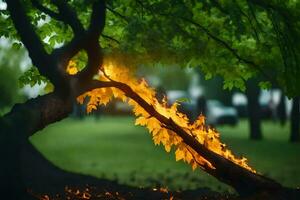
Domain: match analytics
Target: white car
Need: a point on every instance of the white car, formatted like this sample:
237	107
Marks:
218	114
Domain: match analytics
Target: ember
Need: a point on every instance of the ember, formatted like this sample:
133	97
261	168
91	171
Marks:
88	193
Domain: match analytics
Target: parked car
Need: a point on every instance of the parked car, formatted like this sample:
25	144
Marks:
268	101
218	114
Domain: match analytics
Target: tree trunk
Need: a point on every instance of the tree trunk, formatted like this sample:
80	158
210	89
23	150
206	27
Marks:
11	183
295	120
254	111
281	110
15	128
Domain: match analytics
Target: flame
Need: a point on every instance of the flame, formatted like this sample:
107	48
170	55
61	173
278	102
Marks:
209	137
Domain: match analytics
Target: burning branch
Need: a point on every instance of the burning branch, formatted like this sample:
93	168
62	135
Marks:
195	143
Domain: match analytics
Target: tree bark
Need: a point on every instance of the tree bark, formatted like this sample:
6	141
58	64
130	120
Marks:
254	111
15	128
32	116
281	110
295	120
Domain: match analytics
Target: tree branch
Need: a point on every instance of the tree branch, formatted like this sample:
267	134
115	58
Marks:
46	10
221	42
110	38
39	112
217	39
69	16
283	11
243	180
93	49
88	40
31	41
229	48
117	14
97	21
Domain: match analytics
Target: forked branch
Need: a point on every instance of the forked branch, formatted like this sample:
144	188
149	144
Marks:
88	40
69	16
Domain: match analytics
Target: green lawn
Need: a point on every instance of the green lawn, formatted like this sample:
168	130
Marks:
112	147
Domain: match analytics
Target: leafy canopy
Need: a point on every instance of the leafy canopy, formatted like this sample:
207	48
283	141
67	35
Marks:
236	39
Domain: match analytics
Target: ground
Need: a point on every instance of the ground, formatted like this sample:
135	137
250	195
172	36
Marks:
113	148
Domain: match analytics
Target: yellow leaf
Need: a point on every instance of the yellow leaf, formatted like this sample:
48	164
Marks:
200	121
179	154
141	121
153	123
155	131
194	165
156	139
91	107
81	98
188	157
167	148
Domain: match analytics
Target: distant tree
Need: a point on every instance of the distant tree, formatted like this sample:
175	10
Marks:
281	110
254	110
295	119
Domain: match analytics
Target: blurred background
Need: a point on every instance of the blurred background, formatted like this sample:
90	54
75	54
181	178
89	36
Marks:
106	143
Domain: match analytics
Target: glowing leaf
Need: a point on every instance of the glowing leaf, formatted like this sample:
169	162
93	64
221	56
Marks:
179	154
141	121
208	137
168	148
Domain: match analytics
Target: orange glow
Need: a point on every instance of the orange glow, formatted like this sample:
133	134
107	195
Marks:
209	137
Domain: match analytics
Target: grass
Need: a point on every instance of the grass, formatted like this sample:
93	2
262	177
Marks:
112	147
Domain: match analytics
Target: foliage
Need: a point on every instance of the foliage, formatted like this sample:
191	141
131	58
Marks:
31	77
236	39
161	133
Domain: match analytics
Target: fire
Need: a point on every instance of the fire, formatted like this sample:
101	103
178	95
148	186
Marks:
87	193
114	72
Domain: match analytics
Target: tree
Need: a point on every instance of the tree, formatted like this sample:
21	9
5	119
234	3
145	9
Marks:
295	118
254	110
77	26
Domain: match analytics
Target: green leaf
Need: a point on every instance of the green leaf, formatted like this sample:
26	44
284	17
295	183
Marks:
265	85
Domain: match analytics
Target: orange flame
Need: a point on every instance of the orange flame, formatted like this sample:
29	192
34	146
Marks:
161	135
